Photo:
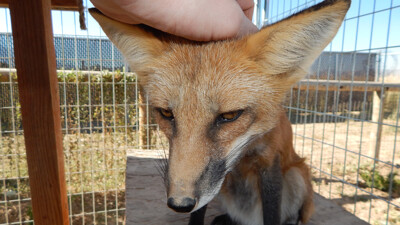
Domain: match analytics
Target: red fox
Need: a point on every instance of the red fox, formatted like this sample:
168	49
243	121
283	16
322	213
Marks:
220	106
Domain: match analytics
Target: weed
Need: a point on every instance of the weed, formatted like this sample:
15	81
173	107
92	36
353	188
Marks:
374	179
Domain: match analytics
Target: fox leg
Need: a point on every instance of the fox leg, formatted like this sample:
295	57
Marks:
271	193
197	217
223	220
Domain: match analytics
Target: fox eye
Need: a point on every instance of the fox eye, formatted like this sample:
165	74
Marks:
229	116
167	114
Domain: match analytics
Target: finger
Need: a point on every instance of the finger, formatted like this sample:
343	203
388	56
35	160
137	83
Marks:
247	7
117	10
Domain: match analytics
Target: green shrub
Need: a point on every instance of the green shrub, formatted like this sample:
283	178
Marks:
86	100
376	180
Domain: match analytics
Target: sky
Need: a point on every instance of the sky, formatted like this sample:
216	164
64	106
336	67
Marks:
362	30
354	35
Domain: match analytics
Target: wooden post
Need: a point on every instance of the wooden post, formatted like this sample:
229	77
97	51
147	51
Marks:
56	4
144	122
38	89
378	105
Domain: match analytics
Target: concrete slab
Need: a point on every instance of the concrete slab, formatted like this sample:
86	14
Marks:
146	198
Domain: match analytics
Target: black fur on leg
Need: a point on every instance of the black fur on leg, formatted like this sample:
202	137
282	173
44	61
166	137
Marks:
224	219
271	193
197	217
299	218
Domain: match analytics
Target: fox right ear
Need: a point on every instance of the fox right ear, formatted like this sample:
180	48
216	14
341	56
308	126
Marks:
289	47
137	45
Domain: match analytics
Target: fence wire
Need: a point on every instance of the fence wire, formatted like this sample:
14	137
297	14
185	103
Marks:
100	113
347	131
15	207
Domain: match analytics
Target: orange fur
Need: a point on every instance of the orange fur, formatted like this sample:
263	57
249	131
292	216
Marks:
198	82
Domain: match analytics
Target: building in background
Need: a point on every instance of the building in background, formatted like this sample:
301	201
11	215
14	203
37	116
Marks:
345	65
94	53
72	53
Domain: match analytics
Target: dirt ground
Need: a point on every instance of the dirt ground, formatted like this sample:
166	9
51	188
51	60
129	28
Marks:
339	153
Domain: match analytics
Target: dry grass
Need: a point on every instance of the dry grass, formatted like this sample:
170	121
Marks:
95	173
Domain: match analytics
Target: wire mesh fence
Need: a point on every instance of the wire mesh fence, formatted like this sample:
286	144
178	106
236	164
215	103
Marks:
345	118
100	113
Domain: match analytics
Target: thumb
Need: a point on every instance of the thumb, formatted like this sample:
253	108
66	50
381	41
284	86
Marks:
248	7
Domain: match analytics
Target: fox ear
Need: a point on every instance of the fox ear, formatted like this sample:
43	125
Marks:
290	46
138	45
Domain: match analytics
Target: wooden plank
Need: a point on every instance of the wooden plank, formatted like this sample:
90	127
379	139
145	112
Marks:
145	119
55	4
378	106
145	194
310	84
64	4
6	72
146	198
38	90
345	85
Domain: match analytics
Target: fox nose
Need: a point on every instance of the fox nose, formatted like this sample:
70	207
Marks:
185	205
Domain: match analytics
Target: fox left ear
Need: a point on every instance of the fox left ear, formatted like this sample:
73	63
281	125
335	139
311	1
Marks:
138	45
289	47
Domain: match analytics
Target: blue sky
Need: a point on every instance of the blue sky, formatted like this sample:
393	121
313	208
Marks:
355	33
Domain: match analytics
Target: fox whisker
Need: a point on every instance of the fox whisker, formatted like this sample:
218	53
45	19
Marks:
232	155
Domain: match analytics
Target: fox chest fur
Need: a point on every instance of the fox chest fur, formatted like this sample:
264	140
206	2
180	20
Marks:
219	105
241	191
241	198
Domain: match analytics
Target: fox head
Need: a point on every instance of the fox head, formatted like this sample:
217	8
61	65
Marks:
213	99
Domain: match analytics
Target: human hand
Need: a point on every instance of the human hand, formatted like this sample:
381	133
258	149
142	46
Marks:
200	20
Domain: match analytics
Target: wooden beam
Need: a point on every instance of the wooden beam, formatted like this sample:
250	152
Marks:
346	85
144	191
38	90
310	84
55	4
378	105
7	72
